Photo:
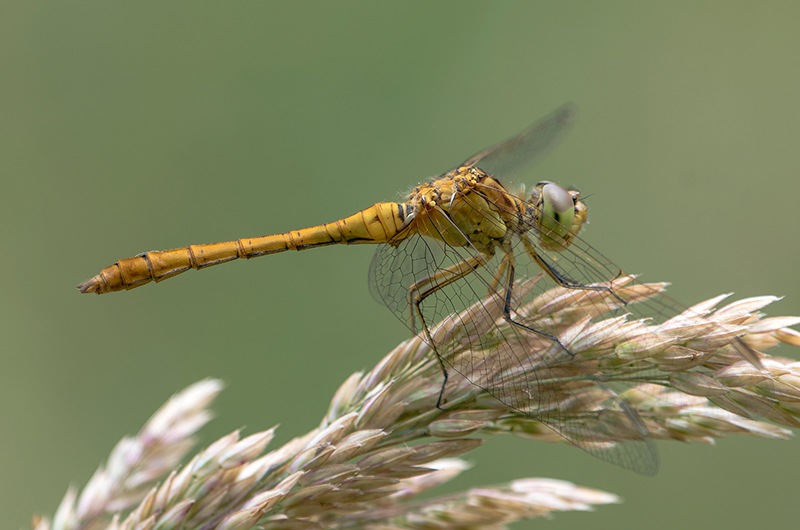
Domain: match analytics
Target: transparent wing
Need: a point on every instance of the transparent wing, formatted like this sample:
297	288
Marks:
581	265
526	322
582	268
477	324
510	158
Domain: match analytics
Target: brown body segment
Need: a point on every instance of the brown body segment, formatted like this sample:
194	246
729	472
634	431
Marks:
376	224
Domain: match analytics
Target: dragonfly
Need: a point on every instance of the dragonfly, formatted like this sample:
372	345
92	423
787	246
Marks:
457	239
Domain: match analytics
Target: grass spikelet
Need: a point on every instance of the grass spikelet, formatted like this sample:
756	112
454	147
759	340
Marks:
383	441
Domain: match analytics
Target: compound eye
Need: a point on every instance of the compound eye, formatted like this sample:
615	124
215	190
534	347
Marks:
558	211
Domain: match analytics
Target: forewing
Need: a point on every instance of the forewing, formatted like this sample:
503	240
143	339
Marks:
461	318
522	364
571	392
583	269
510	159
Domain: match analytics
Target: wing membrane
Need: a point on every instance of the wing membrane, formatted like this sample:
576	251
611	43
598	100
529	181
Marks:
520	363
498	326
510	158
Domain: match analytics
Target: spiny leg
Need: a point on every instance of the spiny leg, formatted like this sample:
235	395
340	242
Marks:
500	272
742	348
507	267
562	280
442	278
634	421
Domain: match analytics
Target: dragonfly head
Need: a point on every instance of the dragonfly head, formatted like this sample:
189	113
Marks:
560	214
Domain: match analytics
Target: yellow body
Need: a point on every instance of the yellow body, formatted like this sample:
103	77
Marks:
463	207
375	224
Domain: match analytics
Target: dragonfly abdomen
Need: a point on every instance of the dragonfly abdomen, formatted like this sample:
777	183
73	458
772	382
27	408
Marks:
376	224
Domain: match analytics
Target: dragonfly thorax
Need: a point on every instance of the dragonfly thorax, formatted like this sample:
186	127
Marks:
466	207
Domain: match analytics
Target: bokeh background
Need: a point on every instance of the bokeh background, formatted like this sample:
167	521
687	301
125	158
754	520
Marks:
153	125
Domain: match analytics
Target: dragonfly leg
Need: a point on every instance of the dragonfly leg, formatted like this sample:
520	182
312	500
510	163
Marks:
422	289
501	272
444	382
742	348
562	280
419	291
509	270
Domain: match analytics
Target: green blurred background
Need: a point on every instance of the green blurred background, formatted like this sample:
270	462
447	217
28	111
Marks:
153	125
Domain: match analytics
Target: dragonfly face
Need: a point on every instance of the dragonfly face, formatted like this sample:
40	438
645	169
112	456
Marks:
558	215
